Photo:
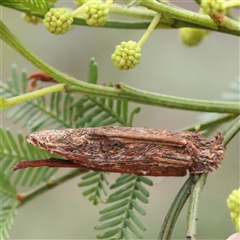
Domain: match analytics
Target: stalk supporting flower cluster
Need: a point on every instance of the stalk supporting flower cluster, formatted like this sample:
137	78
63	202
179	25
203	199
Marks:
127	55
233	203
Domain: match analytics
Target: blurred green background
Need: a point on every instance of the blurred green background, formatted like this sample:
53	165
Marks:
167	67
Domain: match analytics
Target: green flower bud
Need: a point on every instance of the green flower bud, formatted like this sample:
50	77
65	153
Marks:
192	36
58	20
233	203
212	7
31	19
95	13
126	55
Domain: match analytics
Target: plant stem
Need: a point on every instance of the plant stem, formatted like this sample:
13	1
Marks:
77	11
225	21
179	103
201	180
193	205
214	122
229	25
231	3
123	92
6	103
150	29
175	209
232	131
25	197
180	13
134	12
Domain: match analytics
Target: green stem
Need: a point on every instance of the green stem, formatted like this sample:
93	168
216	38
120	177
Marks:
193	205
6	103
180	13
175	209
77	11
134	12
201	180
231	3
124	92
168	21
15	43
232	131
214	122
179	103
150	29
226	22
229	25
26	197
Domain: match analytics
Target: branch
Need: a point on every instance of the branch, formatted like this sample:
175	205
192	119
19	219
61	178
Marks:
175	209
232	131
193	206
213	122
191	17
25	197
201	179
6	103
124	92
175	17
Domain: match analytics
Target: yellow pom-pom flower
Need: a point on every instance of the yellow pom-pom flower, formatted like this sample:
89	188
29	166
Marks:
95	13
58	20
233	203
126	55
212	7
192	36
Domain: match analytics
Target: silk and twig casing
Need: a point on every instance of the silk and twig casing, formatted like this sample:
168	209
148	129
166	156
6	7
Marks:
141	151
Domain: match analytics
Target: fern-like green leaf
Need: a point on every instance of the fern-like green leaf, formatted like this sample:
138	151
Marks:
59	111
121	215
9	205
65	110
30	6
97	181
13	150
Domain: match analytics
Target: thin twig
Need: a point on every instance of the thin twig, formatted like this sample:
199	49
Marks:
232	131
175	209
196	192
213	122
193	206
25	197
124	92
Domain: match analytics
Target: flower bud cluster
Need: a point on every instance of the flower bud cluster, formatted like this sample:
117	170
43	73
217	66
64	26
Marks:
233	203
95	13
212	7
58	20
126	55
192	36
